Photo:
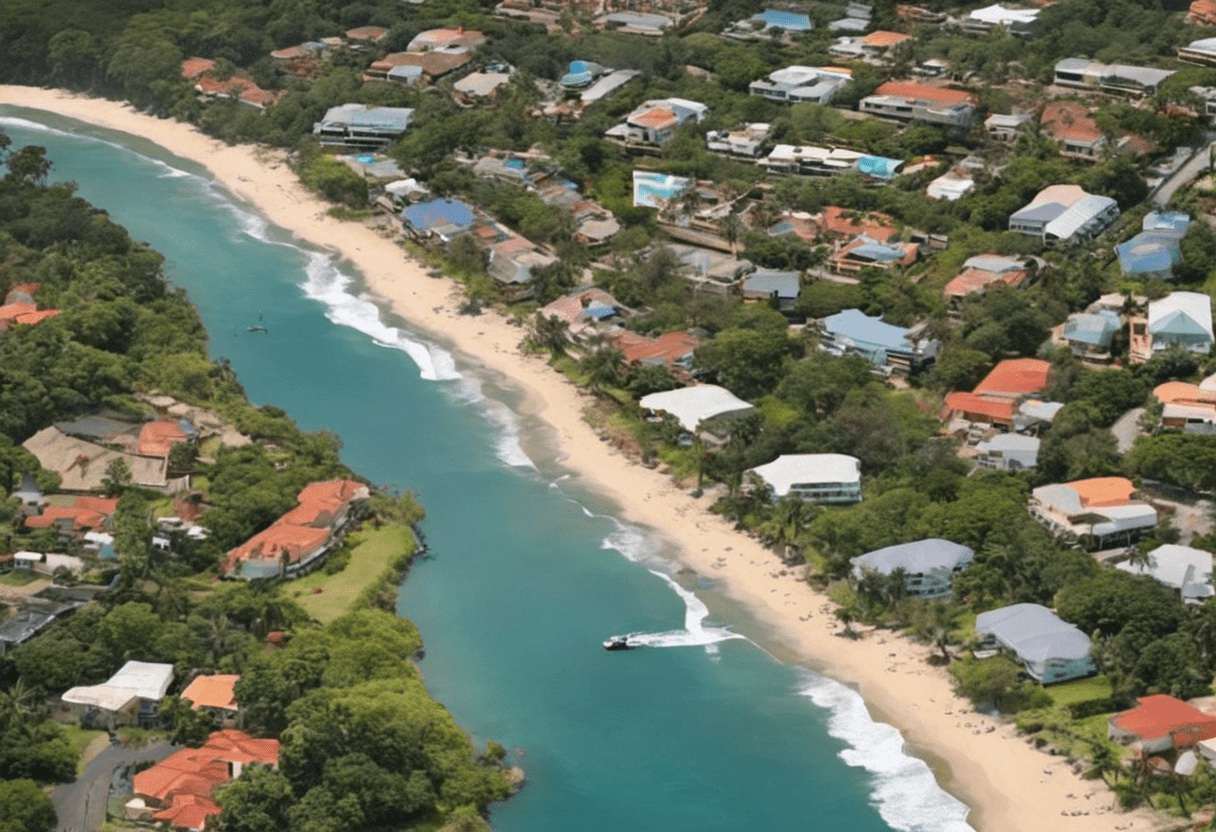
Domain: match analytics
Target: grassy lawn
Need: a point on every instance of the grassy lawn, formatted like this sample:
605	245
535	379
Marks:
19	577
1079	690
81	740
373	551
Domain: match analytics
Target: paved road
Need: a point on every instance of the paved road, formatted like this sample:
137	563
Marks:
1126	429
1198	163
81	806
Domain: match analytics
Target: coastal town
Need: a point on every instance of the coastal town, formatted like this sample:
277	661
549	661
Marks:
917	298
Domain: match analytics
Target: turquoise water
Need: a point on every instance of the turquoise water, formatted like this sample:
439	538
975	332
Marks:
530	572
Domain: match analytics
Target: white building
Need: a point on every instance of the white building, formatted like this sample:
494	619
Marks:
1050	649
814	478
1083	73
654	122
742	142
130	695
798	84
362	126
1183	568
1099	511
1016	21
907	101
807	160
1008	452
929	565
1064	213
693	405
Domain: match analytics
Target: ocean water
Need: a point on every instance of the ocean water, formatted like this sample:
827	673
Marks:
702	730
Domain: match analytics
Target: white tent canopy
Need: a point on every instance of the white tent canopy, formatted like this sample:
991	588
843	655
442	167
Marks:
135	680
693	405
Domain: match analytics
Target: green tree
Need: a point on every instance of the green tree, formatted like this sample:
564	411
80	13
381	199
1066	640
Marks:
25	808
117	477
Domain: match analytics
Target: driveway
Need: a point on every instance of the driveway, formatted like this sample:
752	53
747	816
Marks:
81	806
1126	428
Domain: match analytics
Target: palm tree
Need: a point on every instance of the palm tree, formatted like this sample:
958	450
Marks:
731	227
603	367
551	333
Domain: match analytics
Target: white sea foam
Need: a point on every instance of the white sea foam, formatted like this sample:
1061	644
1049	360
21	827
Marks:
695	633
635	543
905	791
26	124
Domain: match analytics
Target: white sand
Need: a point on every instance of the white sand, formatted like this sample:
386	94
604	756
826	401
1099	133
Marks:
1008	784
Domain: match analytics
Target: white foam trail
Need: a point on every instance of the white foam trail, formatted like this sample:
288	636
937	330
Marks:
905	793
695	633
633	542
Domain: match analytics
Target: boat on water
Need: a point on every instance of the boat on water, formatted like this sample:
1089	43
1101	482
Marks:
620	643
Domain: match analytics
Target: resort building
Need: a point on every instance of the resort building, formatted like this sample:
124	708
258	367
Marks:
1016	21
1161	723
1183	568
1051	650
1064	214
1187	407
362	126
744	142
694	406
800	84
655	122
1180	319
908	101
1090	335
1099	513
1070	126
929	566
891	349
1085	74
437	220
297	542
1199	51
779	288
981	273
1008	452
180	789
1006	128
128	697
813	478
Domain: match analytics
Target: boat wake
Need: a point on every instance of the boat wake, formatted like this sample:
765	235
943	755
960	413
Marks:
694	634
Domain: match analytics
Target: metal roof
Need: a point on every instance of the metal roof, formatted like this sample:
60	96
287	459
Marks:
858	326
789	470
1180	567
693	405
917	557
1034	632
786	285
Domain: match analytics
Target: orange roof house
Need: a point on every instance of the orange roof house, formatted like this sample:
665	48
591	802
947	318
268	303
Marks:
1097	492
85	513
182	786
924	92
660	118
674	349
840	222
194	67
1162	723
23	313
1202	13
214	692
158	438
882	40
1015	377
981	409
296	541
367	34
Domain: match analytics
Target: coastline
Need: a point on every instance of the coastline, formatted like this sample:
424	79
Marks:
1007	783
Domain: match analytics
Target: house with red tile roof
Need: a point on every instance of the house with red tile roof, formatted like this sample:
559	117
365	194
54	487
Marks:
1070	125
19	307
674	349
1202	13
85	514
213	693
1161	723
1101	512
158	438
995	400
297	542
180	789
983	272
844	223
654	122
880	41
367	34
909	101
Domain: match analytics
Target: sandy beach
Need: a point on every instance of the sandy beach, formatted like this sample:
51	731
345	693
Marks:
1008	784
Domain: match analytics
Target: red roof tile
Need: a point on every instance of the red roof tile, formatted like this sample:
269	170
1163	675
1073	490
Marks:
883	40
212	691
194	67
970	406
1161	715
837	220
1104	491
657	119
669	347
924	92
158	438
1016	377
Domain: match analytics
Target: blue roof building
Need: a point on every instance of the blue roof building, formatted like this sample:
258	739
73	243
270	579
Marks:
1090	335
766	284
441	218
1151	253
1167	222
890	348
878	166
581	74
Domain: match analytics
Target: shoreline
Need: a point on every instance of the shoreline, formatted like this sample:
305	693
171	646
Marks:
1007	784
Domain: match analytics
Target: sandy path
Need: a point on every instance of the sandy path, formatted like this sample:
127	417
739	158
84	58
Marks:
1008	784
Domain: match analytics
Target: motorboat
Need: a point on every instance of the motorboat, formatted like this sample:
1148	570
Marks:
619	643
